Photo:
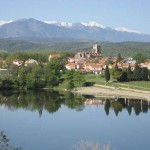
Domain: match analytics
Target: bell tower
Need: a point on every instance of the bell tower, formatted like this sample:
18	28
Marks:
96	48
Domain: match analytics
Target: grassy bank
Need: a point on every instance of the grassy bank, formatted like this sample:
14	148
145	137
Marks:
99	80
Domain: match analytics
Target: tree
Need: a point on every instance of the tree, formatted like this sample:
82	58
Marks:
78	78
137	72
119	74
108	62
144	74
4	143
129	73
107	74
115	69
70	79
22	72
139	57
119	58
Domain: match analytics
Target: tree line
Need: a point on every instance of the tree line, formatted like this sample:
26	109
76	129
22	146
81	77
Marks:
41	75
122	75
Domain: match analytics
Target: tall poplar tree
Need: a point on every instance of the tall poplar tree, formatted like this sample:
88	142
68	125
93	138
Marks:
137	72
129	73
107	74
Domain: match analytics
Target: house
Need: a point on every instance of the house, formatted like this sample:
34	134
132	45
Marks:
96	68
71	59
18	62
30	61
130	60
70	66
146	64
53	56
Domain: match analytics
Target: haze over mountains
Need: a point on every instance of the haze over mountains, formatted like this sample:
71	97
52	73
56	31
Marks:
32	28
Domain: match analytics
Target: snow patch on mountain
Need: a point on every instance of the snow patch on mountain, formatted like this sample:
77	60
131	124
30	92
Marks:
4	22
93	24
64	24
123	29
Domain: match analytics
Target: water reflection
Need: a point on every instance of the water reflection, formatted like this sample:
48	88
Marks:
129	104
51	102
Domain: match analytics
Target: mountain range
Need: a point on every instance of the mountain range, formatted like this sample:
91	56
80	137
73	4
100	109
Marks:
32	28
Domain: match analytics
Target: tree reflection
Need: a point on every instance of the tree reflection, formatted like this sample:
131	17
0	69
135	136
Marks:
107	107
38	100
74	101
124	103
51	101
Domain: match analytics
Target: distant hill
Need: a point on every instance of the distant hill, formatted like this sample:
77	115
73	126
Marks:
107	48
31	28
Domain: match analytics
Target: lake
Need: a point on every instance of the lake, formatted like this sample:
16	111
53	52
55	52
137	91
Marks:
56	121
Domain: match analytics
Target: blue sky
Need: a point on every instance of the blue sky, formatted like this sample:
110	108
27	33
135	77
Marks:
132	14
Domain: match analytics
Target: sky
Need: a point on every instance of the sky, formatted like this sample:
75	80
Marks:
132	14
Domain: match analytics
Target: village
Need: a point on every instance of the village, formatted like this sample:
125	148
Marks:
95	63
86	61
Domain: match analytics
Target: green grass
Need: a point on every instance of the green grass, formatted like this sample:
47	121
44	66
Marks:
99	80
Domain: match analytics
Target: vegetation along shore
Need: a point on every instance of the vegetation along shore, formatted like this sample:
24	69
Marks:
84	71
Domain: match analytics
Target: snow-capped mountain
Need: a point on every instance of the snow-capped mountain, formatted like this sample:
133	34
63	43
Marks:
53	29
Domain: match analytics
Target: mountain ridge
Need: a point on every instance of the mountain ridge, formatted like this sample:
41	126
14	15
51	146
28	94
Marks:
90	31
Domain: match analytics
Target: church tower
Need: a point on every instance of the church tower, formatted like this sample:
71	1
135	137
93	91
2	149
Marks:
96	48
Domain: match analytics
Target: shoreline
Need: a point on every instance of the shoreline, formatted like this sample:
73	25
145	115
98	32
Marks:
101	90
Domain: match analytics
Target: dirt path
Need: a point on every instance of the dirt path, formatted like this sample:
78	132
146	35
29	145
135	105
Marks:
114	92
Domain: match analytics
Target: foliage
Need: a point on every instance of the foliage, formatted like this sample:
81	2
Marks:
4	143
108	62
107	74
137	73
74	79
119	74
139	57
129	73
119	58
144	73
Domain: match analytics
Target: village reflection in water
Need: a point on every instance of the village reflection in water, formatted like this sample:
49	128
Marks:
51	101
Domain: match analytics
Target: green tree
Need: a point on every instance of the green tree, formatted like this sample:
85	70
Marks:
119	58
107	74
22	72
70	79
129	73
137	72
78	78
144	74
108	62
115	69
139	57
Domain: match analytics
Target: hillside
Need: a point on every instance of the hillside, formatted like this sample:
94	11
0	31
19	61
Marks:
107	48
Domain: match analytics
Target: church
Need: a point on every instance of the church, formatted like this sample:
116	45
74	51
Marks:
96	52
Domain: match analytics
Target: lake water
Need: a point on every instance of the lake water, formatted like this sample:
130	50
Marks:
54	121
